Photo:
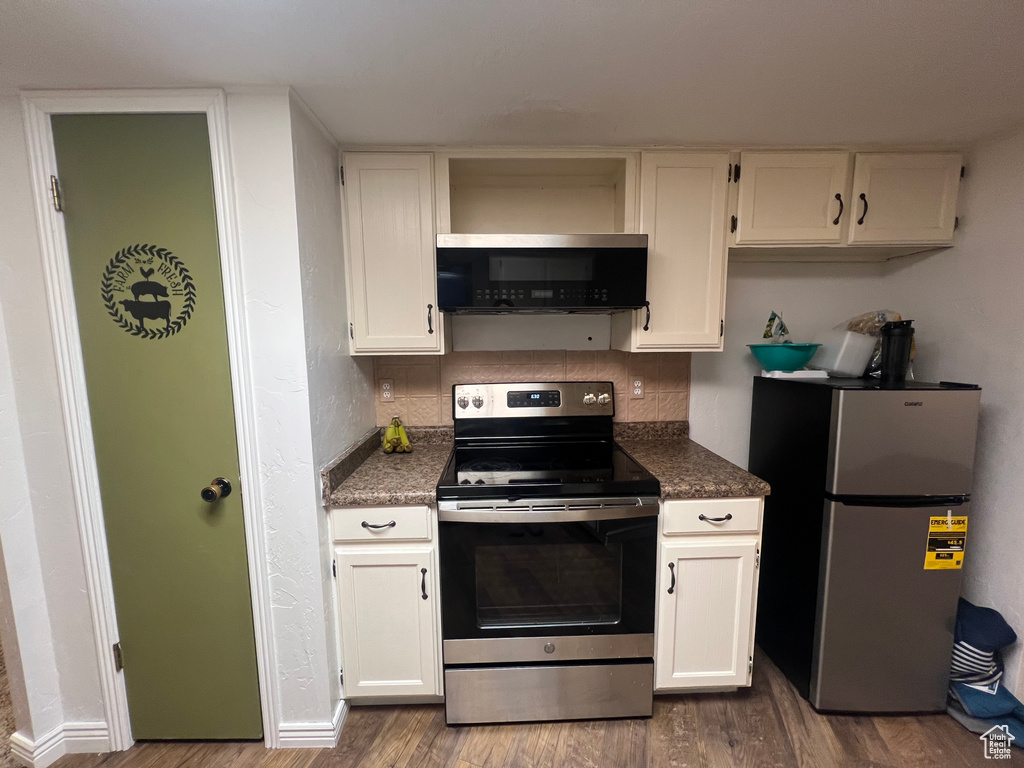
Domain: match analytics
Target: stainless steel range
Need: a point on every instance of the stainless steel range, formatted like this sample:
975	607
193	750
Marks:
548	545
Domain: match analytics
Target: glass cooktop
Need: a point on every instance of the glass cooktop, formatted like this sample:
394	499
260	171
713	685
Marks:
588	468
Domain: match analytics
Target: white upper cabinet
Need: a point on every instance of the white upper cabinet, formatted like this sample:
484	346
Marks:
683	202
792	197
904	198
390	214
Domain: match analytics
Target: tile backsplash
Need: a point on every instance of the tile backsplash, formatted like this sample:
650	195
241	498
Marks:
422	393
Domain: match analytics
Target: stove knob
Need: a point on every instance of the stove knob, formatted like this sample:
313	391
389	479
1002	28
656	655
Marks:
478	402
604	399
463	401
589	398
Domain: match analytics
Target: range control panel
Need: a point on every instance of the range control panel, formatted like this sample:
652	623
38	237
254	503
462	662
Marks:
519	400
544	398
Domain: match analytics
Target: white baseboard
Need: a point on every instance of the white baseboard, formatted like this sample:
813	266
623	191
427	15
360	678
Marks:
64	739
86	737
313	735
340	713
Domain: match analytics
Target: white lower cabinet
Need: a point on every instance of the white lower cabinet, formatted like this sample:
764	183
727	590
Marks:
707	595
389	615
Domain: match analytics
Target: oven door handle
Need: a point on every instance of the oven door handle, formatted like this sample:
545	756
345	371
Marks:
526	514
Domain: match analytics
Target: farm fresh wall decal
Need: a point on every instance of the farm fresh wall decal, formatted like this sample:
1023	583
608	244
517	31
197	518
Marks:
147	283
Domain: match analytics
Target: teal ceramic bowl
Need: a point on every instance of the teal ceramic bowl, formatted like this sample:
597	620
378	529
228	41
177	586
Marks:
783	357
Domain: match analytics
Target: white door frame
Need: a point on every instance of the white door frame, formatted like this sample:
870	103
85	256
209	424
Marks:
38	106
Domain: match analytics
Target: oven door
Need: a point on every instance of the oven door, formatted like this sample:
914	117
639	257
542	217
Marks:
548	591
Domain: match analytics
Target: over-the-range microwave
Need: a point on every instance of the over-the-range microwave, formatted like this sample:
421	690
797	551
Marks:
485	274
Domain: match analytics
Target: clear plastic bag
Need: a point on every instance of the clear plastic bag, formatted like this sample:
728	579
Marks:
870	324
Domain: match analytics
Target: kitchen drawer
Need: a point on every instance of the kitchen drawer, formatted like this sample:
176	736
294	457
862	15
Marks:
684	515
402	523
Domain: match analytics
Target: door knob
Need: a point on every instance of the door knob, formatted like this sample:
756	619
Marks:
219	486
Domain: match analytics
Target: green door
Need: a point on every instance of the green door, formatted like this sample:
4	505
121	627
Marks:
141	226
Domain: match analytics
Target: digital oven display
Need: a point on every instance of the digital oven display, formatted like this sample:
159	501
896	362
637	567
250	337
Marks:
547	398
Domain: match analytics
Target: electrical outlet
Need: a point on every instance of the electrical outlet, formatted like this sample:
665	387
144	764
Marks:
387	389
636	390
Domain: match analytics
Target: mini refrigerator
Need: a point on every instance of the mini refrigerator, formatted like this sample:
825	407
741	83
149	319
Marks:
865	535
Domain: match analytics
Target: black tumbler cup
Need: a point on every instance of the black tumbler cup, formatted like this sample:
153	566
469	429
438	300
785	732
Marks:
896	339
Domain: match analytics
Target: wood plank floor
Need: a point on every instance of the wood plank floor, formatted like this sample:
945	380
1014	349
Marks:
767	725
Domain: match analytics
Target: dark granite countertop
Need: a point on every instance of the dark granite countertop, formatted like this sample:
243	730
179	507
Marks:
685	469
394	478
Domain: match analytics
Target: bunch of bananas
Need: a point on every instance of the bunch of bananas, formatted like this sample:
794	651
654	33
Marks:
395	439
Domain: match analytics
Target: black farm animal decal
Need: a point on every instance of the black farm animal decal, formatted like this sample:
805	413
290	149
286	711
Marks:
148	310
161	289
148	287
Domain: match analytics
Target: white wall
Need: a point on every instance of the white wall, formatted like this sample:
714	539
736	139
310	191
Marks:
811	298
35	696
341	406
967	308
39	530
340	386
259	124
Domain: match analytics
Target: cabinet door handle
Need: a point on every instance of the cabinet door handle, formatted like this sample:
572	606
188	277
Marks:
839	215
715	519
647	322
672	570
372	527
423	582
864	199
430	318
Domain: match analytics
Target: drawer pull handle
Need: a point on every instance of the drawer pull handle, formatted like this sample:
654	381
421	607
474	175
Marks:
372	527
863	199
839	215
707	519
672	570
423	582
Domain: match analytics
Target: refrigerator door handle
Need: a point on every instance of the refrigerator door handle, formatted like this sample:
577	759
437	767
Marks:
898	501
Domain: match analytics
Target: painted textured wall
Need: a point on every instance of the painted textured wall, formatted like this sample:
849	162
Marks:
811	297
261	149
44	528
423	384
967	308
35	684
340	386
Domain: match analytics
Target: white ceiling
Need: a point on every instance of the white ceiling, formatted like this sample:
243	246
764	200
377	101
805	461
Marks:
626	72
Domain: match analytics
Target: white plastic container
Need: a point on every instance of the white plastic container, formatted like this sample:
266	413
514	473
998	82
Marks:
844	353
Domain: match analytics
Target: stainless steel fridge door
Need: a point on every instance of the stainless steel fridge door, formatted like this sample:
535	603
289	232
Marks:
902	442
884	628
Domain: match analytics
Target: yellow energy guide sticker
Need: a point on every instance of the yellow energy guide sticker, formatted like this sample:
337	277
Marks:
947	538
